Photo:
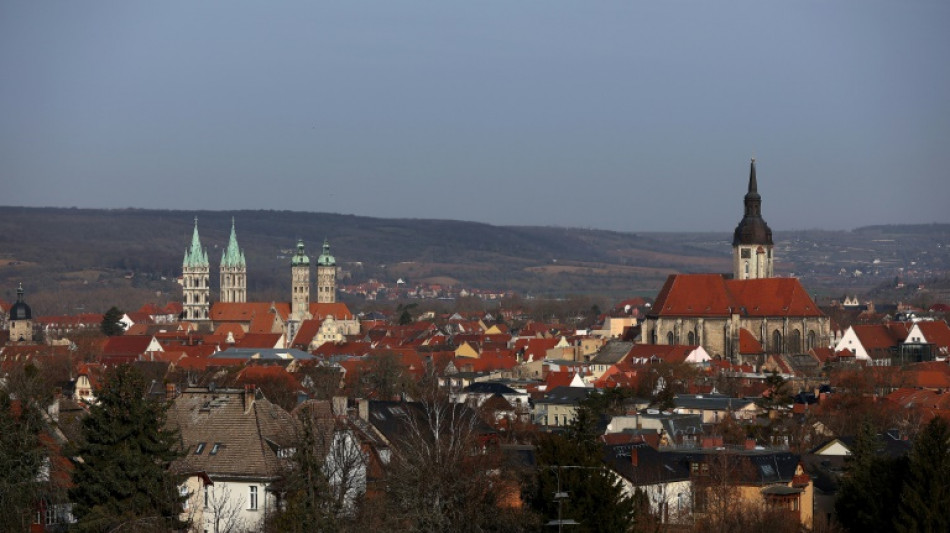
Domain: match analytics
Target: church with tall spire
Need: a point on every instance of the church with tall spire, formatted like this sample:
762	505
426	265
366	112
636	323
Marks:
233	287
752	248
195	273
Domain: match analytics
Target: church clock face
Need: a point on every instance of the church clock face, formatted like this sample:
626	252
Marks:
746	253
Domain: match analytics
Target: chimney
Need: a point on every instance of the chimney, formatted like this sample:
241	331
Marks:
249	394
339	405
750	444
363	409
170	391
634	457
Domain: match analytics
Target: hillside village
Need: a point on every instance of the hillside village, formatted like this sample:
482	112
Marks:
727	400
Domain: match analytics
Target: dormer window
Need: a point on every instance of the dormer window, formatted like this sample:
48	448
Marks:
215	448
200	448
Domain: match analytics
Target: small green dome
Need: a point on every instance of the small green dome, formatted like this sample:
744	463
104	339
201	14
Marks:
325	258
300	258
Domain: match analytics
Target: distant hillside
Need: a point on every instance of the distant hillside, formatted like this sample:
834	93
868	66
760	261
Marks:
72	257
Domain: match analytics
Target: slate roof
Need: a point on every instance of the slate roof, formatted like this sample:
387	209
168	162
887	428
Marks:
755	467
612	353
714	402
240	435
262	353
566	395
642	465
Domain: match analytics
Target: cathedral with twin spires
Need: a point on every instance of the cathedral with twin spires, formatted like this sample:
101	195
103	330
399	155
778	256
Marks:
196	269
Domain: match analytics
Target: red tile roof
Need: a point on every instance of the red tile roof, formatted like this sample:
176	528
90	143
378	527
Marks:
259	340
936	332
881	336
337	310
246	312
126	345
713	295
748	344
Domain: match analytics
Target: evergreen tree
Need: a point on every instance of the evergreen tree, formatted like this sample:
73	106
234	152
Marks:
110	322
923	503
123	482
573	464
870	486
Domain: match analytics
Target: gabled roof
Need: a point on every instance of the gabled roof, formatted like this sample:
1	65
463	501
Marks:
713	295
337	310
126	345
238	432
881	336
245	312
936	332
259	340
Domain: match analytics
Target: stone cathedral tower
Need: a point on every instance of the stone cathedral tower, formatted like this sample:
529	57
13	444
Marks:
195	273
326	276
752	241
233	271
300	281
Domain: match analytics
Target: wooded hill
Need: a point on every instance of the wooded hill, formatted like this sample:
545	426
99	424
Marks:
70	258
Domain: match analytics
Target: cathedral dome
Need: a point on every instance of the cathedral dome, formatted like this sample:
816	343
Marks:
19	310
752	229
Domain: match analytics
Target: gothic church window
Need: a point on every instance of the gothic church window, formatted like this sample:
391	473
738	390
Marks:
669	338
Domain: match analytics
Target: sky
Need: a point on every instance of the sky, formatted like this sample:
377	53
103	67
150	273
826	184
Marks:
620	115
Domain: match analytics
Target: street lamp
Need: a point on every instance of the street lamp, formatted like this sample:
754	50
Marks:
560	496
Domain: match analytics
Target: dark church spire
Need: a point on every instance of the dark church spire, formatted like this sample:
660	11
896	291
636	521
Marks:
752	229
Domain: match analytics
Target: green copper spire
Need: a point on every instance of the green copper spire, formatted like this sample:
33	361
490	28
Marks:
325	258
196	256
232	256
300	258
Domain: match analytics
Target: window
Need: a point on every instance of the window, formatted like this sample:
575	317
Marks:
215	448
795	342
669	338
183	491
200	448
776	341
253	498
206	496
690	338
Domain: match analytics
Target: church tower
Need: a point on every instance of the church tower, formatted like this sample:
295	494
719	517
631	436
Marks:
752	241
21	320
195	273
233	271
300	280
326	276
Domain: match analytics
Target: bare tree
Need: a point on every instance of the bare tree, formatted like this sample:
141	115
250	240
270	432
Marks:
445	474
223	510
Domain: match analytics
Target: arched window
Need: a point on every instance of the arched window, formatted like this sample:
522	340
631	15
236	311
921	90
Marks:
776	341
691	338
669	338
811	339
795	342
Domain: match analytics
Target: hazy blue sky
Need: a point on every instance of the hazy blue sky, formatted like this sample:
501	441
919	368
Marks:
626	115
